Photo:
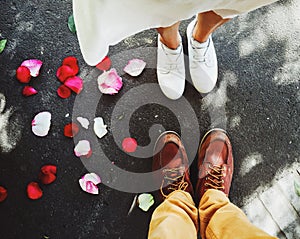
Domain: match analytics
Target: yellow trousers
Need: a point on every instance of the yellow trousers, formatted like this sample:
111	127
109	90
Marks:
177	218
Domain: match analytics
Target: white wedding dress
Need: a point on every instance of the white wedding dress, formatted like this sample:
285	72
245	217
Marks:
101	23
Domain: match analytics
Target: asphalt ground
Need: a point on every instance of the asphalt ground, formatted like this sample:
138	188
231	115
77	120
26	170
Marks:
256	100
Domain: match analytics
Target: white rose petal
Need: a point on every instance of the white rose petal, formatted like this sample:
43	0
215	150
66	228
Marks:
41	124
99	127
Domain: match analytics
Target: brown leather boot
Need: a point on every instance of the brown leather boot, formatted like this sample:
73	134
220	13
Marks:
171	159
215	163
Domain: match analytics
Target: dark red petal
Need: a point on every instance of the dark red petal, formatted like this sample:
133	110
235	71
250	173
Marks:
3	194
34	191
64	72
72	62
105	64
47	178
49	169
23	74
75	83
63	92
28	91
71	130
129	145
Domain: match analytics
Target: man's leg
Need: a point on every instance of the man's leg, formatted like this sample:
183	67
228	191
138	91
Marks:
175	218
220	219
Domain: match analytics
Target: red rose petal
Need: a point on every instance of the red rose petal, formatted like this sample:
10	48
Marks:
129	145
71	130
75	83
23	74
47	174
3	194
105	64
49	169
64	72
72	62
34	191
28	91
63	92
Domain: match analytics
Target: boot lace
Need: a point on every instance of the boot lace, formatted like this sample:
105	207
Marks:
214	177
174	179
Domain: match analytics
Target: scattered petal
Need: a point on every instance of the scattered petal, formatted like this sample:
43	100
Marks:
71	130
71	24
99	127
41	124
135	67
23	74
28	91
88	183
34	191
2	45
72	62
3	194
145	201
109	82
129	145
84	122
33	65
133	205
47	174
63	92
297	188
105	64
83	148
64	72
75	83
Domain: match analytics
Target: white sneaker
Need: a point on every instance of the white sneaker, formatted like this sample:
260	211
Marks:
203	61
170	70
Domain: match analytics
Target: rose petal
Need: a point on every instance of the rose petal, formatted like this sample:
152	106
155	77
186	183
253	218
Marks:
34	191
99	127
129	145
33	65
145	201
88	187
23	74
71	130
135	67
47	174
105	64
94	178
3	194
28	91
109	82
75	83
72	62
83	148
64	72
41	124
84	122
63	92
88	183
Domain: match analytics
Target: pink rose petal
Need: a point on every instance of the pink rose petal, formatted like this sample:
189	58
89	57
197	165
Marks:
135	67
109	82
33	65
41	124
75	83
28	91
129	145
88	183
83	148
